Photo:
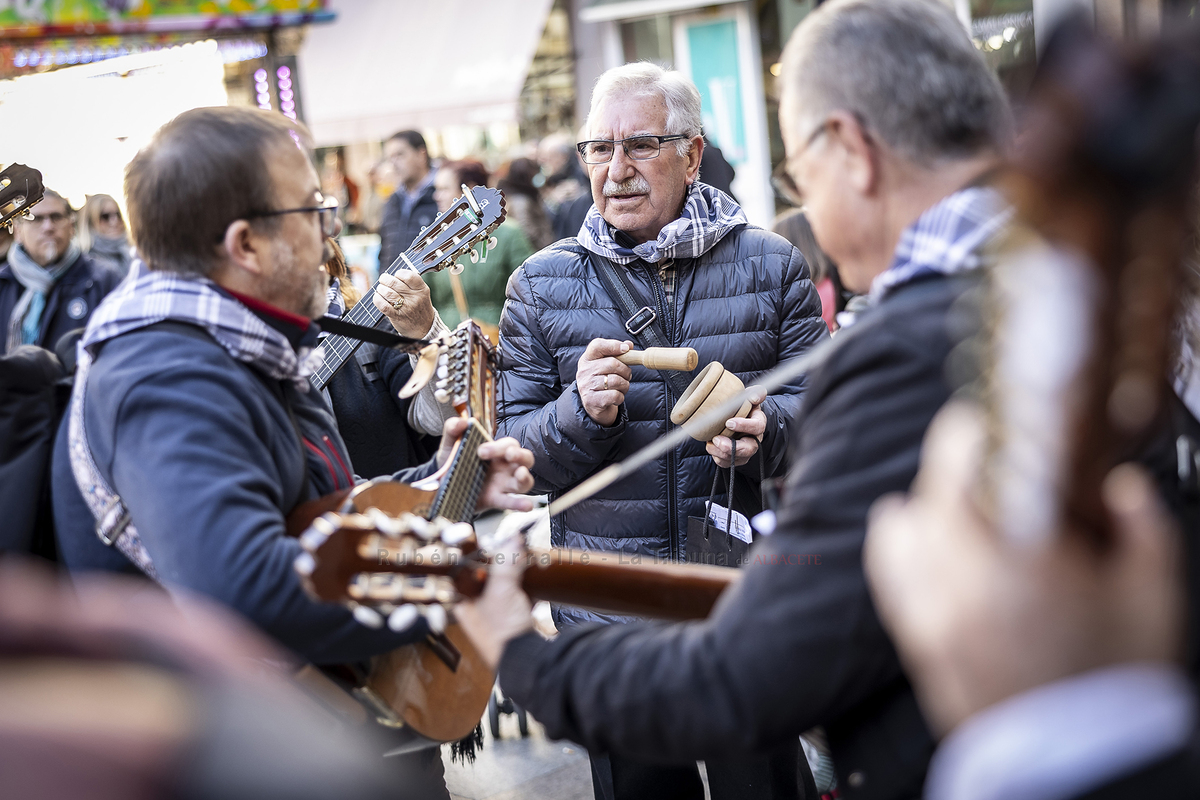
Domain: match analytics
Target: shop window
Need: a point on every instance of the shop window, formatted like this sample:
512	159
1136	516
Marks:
648	40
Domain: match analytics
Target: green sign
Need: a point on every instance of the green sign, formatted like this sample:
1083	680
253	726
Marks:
713	52
43	18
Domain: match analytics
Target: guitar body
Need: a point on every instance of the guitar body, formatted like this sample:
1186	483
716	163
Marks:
434	700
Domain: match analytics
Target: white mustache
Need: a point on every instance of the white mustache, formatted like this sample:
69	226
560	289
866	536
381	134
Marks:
634	185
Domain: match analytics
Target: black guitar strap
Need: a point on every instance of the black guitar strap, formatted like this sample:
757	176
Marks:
641	321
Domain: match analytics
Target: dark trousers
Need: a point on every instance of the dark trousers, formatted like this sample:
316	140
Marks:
771	776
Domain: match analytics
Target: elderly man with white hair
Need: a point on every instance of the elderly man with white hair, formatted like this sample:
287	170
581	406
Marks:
892	123
697	275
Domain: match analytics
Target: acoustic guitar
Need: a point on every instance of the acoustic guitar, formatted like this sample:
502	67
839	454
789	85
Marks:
396	551
20	190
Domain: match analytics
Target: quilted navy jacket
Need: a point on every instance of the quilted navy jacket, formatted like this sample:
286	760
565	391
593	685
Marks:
747	303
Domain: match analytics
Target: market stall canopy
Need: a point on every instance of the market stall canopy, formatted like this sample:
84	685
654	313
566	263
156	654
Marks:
387	65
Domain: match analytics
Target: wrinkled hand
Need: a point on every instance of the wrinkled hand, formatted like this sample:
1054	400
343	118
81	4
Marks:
508	471
415	316
503	611
977	619
752	429
598	366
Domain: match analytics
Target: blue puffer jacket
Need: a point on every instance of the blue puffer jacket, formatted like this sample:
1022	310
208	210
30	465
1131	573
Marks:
747	303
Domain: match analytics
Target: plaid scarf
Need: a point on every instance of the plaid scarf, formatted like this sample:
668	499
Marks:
945	239
153	296
145	298
708	215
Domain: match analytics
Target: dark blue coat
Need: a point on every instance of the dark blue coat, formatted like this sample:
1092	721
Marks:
747	303
400	227
70	303
202	450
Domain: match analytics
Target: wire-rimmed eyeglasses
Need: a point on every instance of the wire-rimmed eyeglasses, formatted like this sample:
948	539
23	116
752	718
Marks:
639	148
327	212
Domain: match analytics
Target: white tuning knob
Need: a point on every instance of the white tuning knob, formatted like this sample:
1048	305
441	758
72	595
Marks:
368	616
403	617
456	268
436	617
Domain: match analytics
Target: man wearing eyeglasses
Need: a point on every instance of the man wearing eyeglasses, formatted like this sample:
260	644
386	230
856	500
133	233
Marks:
699	275
47	286
193	430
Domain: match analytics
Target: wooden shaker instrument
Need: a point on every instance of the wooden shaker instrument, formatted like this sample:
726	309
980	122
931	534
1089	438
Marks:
713	386
677	358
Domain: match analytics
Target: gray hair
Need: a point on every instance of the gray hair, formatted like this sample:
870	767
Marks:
643	77
906	69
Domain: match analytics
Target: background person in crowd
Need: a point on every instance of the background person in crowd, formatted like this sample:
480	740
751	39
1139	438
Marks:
566	192
793	226
478	292
102	234
523	201
47	285
1052	672
411	207
737	294
193	430
888	163
715	170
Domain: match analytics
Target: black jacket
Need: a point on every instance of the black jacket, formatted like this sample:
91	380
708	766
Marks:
747	303
797	643
398	229
70	303
372	418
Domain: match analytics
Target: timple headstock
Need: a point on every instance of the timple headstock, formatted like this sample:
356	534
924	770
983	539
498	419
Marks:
391	570
466	374
469	221
20	189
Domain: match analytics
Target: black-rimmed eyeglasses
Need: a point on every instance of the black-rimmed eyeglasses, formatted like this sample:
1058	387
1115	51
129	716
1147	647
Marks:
639	148
327	212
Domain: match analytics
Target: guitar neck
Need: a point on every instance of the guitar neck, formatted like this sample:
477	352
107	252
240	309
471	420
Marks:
617	583
340	349
459	491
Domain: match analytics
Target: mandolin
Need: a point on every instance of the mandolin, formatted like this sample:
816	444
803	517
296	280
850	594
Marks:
455	232
20	190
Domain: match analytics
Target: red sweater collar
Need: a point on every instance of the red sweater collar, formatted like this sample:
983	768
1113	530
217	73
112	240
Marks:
274	312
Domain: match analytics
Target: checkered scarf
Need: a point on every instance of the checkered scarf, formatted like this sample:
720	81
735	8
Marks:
153	296
708	215
945	239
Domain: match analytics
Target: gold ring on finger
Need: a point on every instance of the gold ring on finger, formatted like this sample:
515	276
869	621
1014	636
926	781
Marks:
398	303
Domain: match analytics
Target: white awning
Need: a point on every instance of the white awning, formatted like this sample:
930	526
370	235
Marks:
386	65
606	10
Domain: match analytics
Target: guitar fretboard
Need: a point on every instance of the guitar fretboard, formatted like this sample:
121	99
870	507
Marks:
339	349
459	493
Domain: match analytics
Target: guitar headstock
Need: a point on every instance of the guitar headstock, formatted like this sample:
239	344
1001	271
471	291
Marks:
456	231
20	190
1079	317
466	374
391	569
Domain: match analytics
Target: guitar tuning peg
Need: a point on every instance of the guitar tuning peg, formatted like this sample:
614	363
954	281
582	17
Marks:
457	533
442	396
403	617
436	617
368	617
305	564
474	255
456	268
492	243
443	371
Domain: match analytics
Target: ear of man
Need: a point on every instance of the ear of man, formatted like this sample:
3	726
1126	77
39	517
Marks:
242	257
861	159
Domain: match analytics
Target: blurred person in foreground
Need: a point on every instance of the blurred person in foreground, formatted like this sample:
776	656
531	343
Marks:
113	693
1053	671
102	234
478	292
411	207
47	285
524	202
193	430
893	170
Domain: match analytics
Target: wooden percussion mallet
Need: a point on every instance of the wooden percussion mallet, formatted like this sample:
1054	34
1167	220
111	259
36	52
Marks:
678	358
